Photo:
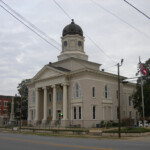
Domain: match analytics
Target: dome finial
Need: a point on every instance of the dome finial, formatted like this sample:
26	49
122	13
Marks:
72	20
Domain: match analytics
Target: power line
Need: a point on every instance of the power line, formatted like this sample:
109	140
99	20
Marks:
62	9
110	67
137	9
32	25
84	32
100	48
119	18
29	27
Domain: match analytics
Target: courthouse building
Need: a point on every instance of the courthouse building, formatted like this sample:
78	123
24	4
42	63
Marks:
73	90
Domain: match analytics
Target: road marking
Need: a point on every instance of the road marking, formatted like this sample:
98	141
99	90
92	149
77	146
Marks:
53	144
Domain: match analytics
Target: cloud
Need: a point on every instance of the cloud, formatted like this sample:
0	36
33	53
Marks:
23	54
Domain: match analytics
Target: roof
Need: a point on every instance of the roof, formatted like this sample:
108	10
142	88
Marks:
5	97
72	29
59	68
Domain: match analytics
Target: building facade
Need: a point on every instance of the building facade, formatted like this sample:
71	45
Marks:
73	90
4	114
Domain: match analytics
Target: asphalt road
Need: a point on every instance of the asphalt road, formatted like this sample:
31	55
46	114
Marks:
12	141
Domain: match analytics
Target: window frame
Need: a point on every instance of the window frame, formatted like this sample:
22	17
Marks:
80	113
74	113
76	93
93	92
106	91
130	101
49	97
130	114
94	112
59	95
5	110
5	103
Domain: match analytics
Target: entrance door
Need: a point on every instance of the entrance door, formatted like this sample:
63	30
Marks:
58	114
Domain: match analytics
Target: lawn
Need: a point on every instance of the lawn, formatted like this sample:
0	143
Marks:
129	130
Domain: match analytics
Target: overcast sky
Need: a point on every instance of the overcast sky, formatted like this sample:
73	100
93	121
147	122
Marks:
118	29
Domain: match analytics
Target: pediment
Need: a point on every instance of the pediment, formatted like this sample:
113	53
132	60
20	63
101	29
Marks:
47	72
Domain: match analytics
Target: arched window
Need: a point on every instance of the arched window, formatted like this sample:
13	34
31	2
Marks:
76	91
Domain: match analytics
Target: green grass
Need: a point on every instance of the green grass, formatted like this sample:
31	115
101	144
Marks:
129	130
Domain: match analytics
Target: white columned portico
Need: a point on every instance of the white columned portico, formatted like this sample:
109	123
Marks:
65	101
37	106
54	103
45	106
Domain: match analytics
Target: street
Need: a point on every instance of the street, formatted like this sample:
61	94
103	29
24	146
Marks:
15	141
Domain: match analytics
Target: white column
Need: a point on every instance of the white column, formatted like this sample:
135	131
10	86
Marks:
37	106
45	104
64	101
54	102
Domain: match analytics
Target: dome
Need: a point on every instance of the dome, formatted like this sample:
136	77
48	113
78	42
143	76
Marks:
72	28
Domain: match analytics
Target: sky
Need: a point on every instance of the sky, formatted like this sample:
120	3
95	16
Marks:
113	31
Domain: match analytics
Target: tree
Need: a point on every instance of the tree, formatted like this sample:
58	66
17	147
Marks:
23	91
137	97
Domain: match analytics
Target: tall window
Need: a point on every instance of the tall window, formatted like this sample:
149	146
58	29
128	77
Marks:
94	112
93	92
33	96
74	114
5	103
76	91
130	114
4	111
49	112
130	101
79	112
106	92
49	97
58	96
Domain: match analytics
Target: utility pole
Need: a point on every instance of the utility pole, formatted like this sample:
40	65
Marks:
20	108
119	114
142	92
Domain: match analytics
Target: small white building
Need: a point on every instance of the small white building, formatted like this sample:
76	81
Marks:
75	88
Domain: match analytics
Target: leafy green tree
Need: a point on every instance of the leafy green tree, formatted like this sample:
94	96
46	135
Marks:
146	91
23	91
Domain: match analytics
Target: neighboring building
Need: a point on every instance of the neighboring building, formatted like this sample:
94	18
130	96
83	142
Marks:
76	88
4	114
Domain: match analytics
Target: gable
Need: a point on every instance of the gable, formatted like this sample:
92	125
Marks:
47	72
76	64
